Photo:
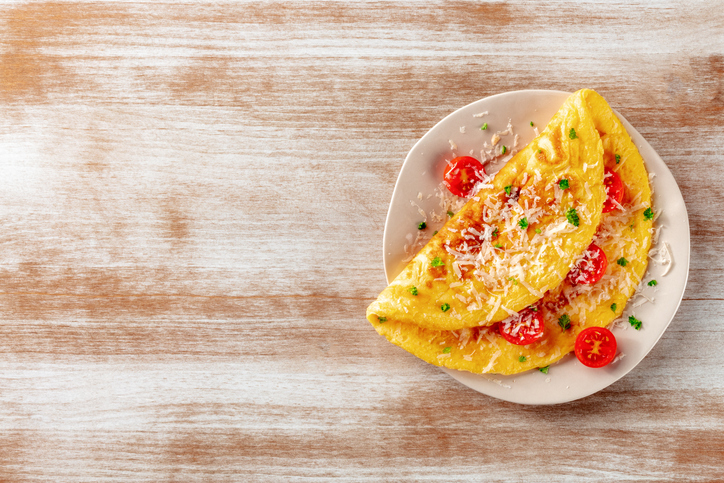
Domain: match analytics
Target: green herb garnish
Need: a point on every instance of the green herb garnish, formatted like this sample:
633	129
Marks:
622	261
434	233
484	127
382	320
613	307
544	370
498	245
445	307
635	323
508	189
564	321
572	134
412	290
450	213
531	124
538	230
572	217
504	150
447	350
618	158
521	359
437	262
564	184
649	213
422	225
653	283
523	223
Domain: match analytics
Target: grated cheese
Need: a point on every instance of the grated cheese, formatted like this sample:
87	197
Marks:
491	364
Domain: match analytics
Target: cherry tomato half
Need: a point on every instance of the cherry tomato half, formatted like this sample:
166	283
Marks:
595	346
614	190
461	175
523	328
590	268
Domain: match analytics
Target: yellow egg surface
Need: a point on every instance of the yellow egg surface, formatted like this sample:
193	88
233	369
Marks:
624	233
515	239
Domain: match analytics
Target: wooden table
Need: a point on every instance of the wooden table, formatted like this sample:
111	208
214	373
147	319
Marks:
193	198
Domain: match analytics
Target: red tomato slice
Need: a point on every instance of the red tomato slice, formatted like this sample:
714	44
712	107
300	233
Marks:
523	328
614	190
595	346
590	268
462	174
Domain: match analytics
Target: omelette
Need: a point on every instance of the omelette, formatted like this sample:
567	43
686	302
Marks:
515	239
625	236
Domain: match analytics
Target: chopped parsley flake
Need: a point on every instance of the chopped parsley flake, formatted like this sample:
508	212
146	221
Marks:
544	370
434	233
484	127
572	217
512	279
531	123
564	321
504	150
622	261
649	213
498	245
618	158
412	290
422	225
563	184
445	307
450	213
653	283
540	150
538	230
521	359
382	320
495	232
613	307
437	262
508	189
447	350
572	134
632	226
523	223
635	323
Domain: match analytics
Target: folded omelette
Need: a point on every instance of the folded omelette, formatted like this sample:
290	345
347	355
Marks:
625	235
514	240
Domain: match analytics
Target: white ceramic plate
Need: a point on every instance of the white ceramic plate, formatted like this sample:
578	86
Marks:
422	172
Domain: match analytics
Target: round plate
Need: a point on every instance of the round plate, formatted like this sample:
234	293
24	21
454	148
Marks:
457	135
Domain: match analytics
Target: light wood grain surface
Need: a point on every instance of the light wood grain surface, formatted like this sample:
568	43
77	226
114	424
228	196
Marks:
193	197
